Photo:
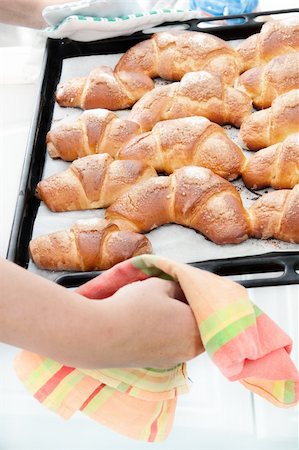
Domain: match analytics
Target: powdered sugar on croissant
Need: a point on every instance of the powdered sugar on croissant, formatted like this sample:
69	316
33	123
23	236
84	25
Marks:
197	94
94	181
188	141
92	244
169	55
191	196
94	131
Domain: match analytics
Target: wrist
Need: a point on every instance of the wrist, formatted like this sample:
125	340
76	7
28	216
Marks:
96	345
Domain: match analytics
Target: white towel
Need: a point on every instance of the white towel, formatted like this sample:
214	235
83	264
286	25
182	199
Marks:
56	14
100	19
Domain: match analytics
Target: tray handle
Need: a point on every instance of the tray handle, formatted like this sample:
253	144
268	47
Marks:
288	268
240	267
247	19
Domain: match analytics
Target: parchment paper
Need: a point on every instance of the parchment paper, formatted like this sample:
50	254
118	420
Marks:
173	241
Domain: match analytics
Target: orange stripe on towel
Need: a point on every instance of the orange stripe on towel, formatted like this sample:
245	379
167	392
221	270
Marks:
95	392
154	427
51	384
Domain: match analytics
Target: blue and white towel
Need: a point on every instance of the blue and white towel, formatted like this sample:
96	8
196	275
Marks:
88	20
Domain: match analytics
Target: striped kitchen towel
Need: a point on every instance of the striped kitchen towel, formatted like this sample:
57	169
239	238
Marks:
90	28
241	340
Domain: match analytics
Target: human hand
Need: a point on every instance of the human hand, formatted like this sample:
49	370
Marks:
144	324
26	13
153	327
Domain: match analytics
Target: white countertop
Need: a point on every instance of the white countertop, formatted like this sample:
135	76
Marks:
231	420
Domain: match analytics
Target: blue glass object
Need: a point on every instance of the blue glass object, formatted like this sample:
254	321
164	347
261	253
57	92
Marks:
224	7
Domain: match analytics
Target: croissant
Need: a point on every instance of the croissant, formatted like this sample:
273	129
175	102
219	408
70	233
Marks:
272	125
197	94
103	88
168	55
197	198
95	131
188	141
93	244
171	54
276	166
276	214
94	181
264	83
277	37
191	196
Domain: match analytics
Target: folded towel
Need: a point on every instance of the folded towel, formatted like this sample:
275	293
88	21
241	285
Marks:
55	14
241	340
91	20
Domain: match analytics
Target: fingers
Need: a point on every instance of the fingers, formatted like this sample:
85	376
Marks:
190	343
174	291
156	287
154	310
170	288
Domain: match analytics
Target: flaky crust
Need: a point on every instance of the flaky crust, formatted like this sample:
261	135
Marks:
191	196
272	125
197	94
103	88
197	198
93	244
94	181
169	55
265	83
276	166
187	141
94	131
277	37
276	214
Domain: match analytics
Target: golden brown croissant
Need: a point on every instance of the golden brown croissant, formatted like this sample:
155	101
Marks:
276	166
95	131
188	141
94	181
272	125
93	244
171	54
199	199
197	94
276	214
264	83
277	37
103	88
168	55
191	196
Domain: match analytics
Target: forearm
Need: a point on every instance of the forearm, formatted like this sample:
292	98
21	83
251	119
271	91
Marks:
25	13
43	317
141	325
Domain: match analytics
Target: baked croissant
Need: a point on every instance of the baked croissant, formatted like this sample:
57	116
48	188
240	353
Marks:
276	215
191	196
168	55
199	199
277	37
276	166
171	54
264	83
93	244
272	125
104	88
188	141
94	181
197	94
95	131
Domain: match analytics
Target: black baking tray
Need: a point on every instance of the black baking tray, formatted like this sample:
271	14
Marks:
283	266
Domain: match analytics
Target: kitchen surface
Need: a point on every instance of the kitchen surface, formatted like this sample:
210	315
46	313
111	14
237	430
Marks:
216	414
